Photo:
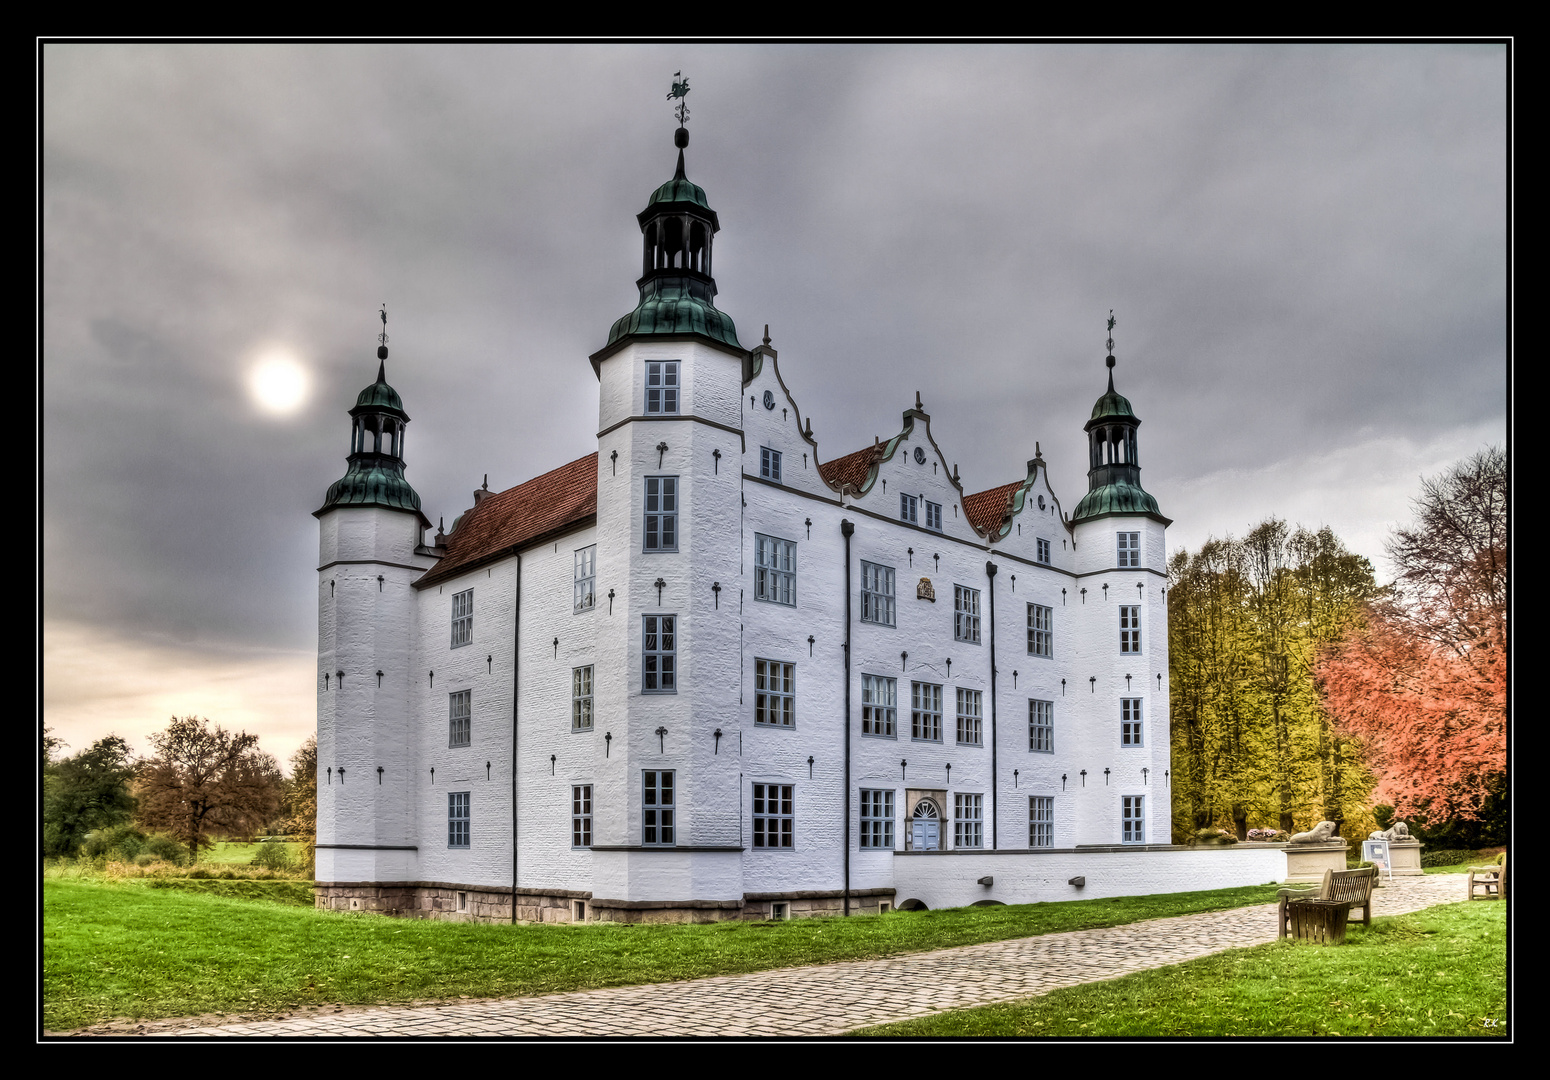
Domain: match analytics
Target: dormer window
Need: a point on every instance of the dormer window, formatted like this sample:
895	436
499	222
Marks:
662	388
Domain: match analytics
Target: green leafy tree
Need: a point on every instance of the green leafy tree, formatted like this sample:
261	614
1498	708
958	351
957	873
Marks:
205	779
85	792
1252	741
300	801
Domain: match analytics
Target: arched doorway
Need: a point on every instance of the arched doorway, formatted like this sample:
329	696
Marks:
926	827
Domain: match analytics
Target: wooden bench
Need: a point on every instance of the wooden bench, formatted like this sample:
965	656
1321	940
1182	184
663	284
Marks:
1353	887
1493	879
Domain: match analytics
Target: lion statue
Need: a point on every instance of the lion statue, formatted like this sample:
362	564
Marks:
1322	833
1399	831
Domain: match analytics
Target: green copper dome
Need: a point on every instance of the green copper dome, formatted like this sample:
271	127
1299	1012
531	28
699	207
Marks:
373	483
375	474
1118	497
1112	404
671	306
679	189
379	395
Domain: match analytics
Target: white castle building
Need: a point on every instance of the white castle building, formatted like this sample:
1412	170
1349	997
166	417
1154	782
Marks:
708	673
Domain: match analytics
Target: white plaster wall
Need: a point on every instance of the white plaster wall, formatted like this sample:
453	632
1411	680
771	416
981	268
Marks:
943	881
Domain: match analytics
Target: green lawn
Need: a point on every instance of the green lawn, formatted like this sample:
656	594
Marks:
231	853
130	950
1440	972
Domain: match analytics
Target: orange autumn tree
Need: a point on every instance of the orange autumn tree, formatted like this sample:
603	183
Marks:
1424	679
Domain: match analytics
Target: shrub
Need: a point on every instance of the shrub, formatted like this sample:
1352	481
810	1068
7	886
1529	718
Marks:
272	856
1219	837
166	849
1447	857
116	841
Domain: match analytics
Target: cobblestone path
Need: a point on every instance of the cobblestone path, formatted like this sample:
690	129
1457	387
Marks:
835	998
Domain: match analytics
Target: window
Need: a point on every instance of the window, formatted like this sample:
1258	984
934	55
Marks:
966	614
925	712
774	693
581	815
934	516
581	698
969	821
877	819
457	819
907	508
460	712
769	464
772	817
1041	633
878	705
1130	549
662	388
969	717
775	569
1042	550
1130	721
1041	821
659	655
877	594
1041	726
1129	628
462	618
1134	819
586	578
661	513
656	819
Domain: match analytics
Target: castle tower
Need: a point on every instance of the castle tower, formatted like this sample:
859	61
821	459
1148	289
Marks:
669	501
1121	562
370	524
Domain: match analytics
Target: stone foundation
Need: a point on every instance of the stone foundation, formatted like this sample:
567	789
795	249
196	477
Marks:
453	902
1307	862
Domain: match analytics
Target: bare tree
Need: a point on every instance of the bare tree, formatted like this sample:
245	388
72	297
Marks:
205	778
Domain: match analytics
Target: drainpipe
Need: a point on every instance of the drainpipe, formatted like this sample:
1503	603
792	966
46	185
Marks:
995	801
516	682
846	529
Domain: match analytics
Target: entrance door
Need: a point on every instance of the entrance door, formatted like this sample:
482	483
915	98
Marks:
925	827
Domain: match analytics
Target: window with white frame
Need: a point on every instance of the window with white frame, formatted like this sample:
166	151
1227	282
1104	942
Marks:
659	655
661	513
581	698
586	578
774	569
1041	551
1041	630
1041	726
909	507
925	712
1129	549
969	821
658	802
581	815
966	614
774	693
877	819
969	720
773	819
460	718
1133	817
934	516
877	594
1041	821
878	705
769	464
1130	721
462	617
458	819
1130	628
662	388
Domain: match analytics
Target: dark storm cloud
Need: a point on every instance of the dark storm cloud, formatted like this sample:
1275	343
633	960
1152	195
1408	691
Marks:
1304	246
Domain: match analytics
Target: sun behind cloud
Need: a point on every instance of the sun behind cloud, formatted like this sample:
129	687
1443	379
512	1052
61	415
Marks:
278	382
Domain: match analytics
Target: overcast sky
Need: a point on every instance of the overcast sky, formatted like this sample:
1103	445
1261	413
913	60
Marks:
1304	247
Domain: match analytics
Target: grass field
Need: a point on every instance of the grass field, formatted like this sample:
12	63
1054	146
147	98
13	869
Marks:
147	948
231	853
1438	972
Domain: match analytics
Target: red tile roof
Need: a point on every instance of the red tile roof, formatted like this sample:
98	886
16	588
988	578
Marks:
851	469
508	519
986	509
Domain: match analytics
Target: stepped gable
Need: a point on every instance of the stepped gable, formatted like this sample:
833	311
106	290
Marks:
503	522
986	510
851	470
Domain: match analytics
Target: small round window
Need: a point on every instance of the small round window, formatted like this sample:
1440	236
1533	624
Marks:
920	455
769	399
1041	502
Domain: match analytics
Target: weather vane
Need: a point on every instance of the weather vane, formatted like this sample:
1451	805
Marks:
382	337
1111	331
680	91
